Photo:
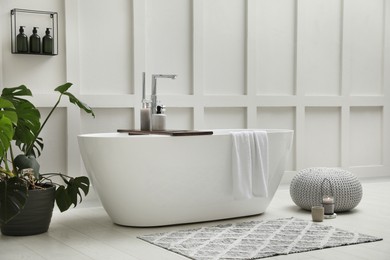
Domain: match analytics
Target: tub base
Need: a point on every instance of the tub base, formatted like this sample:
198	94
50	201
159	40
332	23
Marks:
165	214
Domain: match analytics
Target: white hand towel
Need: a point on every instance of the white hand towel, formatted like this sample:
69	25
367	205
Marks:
250	164
260	172
242	165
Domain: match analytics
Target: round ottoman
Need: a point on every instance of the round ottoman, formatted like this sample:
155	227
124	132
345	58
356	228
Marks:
305	188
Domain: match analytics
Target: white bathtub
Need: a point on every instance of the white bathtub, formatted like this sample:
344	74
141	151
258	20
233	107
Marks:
155	180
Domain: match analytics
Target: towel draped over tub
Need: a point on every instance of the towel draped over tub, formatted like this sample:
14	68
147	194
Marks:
250	164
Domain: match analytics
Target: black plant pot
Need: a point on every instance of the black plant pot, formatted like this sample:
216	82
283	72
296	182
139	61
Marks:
36	215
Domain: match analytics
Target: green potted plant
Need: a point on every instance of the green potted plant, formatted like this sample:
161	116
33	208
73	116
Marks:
23	188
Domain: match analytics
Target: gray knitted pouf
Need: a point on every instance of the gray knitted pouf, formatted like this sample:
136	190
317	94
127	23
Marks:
305	188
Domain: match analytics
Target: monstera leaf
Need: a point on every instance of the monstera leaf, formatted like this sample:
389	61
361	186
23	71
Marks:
8	119
28	119
66	196
7	109
63	90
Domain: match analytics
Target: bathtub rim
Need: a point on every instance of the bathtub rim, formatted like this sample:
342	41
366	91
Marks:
216	132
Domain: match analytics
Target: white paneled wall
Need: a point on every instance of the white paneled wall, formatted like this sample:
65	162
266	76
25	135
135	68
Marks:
224	45
168	41
105	41
272	46
320	67
319	26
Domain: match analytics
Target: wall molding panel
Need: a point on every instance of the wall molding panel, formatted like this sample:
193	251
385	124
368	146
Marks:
319	67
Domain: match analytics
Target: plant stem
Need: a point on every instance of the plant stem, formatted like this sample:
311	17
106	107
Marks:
6	170
12	160
10	174
28	150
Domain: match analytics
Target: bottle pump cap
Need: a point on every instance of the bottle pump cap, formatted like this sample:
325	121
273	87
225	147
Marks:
21	29
160	109
35	30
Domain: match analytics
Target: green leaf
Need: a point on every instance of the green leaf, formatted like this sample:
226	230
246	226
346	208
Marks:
36	148
63	88
7	109
72	192
80	104
83	183
8	119
28	124
6	134
65	197
22	90
13	196
28	116
62	199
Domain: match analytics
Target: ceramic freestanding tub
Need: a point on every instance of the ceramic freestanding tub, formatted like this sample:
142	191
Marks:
154	180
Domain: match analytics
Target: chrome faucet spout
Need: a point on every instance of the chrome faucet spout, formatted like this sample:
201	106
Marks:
168	76
154	88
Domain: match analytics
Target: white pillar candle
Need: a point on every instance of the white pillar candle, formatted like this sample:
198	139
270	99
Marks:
328	203
145	119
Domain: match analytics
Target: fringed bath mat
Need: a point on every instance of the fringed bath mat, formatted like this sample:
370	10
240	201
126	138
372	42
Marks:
255	239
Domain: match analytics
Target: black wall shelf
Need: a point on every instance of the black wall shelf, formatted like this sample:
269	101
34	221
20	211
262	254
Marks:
30	19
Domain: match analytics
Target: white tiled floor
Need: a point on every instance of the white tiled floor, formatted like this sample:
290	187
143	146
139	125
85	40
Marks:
87	233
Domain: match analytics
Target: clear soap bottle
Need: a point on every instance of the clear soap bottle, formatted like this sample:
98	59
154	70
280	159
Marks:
21	41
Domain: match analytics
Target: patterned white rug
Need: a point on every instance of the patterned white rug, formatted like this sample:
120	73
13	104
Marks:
255	239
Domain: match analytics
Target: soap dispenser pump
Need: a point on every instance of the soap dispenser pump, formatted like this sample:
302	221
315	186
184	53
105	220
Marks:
35	42
47	43
159	119
21	41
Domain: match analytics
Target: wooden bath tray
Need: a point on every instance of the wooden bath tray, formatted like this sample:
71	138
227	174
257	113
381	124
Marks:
167	132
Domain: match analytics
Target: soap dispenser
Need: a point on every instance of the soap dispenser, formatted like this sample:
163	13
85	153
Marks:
35	42
21	41
159	119
47	43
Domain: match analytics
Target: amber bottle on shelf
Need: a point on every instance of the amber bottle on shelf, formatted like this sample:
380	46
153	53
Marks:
35	42
47	43
21	41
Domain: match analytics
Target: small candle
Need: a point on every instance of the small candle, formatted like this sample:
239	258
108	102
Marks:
317	213
328	200
328	203
145	116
